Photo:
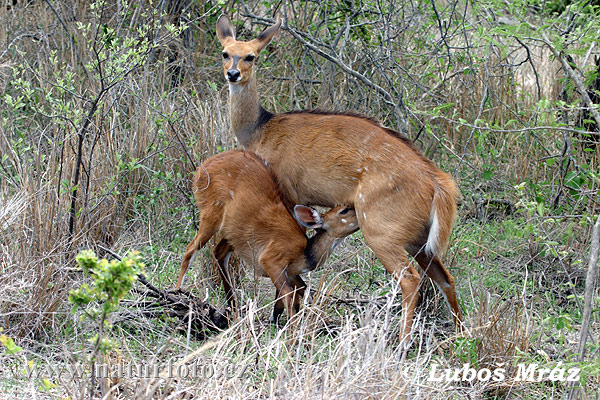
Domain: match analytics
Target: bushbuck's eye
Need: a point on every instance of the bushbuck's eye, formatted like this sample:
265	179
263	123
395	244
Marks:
225	56
249	58
344	211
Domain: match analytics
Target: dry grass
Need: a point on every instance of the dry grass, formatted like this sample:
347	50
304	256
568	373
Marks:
352	355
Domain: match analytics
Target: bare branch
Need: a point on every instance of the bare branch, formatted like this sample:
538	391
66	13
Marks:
575	77
590	281
309	43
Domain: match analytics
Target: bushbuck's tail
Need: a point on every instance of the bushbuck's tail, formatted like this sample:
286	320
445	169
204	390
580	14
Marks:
442	214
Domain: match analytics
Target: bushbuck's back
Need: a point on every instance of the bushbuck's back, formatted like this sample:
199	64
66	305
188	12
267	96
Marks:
236	191
320	151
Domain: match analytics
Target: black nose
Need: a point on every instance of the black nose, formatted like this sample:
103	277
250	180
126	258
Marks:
233	75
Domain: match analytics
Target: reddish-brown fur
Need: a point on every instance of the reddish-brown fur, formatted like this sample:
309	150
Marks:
238	197
404	203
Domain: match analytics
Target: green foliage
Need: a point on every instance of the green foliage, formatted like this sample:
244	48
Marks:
465	349
9	345
588	369
112	280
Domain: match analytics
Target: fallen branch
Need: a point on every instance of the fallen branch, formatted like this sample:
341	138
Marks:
196	317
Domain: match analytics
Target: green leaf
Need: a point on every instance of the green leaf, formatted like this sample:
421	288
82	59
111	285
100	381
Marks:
9	345
47	385
540	209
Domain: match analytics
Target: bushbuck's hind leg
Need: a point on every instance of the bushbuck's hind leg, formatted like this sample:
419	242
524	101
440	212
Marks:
386	232
273	263
222	251
435	270
396	263
278	308
299	286
208	226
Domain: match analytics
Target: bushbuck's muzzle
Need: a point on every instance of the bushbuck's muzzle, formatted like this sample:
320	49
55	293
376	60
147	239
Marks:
233	75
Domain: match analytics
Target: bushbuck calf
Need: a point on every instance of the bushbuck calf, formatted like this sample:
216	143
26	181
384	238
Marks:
403	202
239	198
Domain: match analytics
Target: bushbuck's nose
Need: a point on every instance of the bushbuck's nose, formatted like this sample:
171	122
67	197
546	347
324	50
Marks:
233	75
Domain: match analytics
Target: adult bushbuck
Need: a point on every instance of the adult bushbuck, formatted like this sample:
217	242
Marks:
404	203
239	198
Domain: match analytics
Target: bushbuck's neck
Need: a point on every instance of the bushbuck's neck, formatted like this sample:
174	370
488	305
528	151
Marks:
245	111
319	248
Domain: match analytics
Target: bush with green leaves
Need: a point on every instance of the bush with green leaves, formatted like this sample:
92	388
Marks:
111	281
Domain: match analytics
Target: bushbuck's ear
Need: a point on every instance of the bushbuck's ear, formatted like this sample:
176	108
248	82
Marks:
225	29
308	217
265	37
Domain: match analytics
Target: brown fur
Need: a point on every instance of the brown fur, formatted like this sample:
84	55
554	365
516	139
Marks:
332	158
239	198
